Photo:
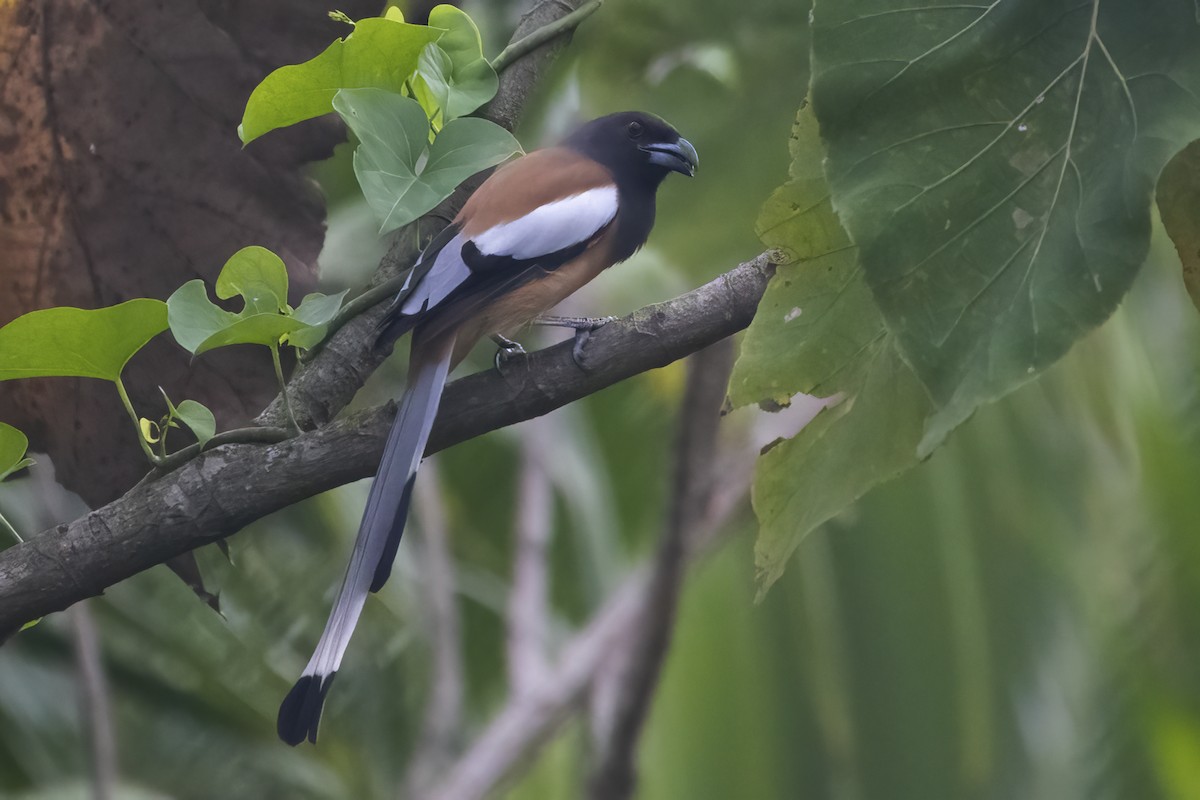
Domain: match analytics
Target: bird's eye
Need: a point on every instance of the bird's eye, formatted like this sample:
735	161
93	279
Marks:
635	130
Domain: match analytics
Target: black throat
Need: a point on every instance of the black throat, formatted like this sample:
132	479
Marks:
635	218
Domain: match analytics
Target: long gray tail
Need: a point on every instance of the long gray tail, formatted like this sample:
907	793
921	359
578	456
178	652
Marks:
374	549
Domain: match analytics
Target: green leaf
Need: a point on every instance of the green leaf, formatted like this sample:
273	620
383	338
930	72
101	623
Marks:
454	73
259	276
994	163
319	309
818	331
869	437
380	52
316	310
198	418
1178	197
817	313
199	325
13	445
73	342
193	317
393	136
263	329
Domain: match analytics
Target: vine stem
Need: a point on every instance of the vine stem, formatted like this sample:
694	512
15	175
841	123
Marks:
11	530
287	406
137	425
251	435
533	41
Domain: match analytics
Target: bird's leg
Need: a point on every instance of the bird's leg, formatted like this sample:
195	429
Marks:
583	327
575	323
507	349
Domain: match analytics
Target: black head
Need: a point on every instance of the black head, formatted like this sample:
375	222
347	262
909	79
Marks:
639	148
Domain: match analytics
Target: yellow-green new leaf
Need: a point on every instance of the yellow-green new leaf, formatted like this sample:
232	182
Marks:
381	52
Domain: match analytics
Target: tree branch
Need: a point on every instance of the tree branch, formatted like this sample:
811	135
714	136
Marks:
442	727
529	720
225	489
528	598
95	708
634	669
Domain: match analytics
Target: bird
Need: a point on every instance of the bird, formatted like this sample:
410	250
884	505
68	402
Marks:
537	229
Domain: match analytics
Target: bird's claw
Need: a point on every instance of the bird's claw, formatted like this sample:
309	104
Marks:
506	350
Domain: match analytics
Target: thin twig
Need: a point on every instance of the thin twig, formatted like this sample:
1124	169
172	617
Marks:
442	727
94	703
546	33
528	600
634	670
529	720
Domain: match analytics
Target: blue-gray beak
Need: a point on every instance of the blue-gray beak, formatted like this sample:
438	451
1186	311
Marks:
678	156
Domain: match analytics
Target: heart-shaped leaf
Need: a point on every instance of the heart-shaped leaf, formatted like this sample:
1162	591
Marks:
402	176
380	52
260	278
315	310
258	275
13	445
263	329
193	317
455	76
198	418
74	342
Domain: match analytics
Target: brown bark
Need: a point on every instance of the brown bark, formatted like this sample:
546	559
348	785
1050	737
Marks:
121	175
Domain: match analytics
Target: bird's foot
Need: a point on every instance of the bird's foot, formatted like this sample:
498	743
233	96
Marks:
506	350
583	327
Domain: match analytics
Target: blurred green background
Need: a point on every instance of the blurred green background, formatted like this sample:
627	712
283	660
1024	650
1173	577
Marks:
1014	619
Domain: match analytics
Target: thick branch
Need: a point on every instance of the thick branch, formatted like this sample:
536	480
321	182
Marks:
225	489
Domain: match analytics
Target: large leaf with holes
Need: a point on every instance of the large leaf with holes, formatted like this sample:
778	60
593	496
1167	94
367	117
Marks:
819	332
994	162
401	174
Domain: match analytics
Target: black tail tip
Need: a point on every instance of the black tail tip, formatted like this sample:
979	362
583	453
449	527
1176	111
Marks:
300	711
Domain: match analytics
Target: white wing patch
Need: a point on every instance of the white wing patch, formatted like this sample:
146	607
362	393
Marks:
552	227
446	274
